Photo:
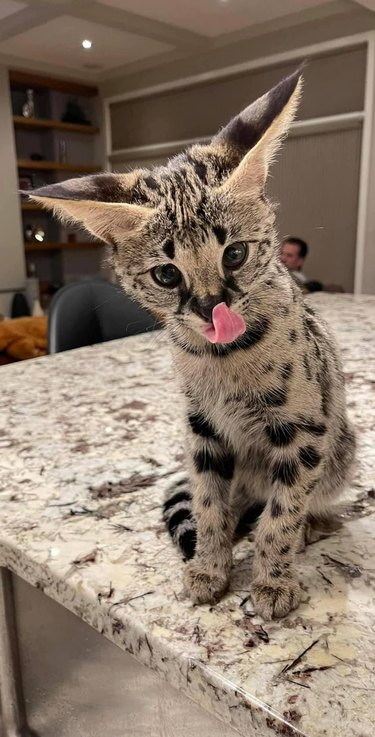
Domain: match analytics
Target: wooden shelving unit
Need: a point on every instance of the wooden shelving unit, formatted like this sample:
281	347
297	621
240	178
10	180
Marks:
34	246
58	258
22	80
46	124
55	166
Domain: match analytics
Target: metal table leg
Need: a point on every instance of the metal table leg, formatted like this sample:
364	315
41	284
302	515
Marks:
12	706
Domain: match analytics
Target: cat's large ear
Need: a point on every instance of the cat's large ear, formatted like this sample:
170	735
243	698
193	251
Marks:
99	203
253	137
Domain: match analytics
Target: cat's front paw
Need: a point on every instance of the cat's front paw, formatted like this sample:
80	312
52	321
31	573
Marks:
273	600
203	586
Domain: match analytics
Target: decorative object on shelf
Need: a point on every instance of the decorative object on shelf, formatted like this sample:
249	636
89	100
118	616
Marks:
25	182
34	233
62	152
39	234
74	114
37	157
28	232
20	307
28	108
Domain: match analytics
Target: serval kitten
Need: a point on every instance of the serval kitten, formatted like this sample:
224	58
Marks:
266	423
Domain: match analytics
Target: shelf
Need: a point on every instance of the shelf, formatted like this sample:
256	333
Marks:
20	79
50	246
55	166
31	206
46	124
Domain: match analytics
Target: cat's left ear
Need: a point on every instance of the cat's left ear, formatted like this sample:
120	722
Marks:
101	203
254	136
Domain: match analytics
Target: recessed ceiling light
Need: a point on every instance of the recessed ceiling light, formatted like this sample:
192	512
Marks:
86	44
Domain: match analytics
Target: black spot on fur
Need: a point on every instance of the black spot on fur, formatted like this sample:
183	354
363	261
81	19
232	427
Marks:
169	249
286	472
231	283
285	550
306	328
286	371
313	327
199	167
152	183
276	509
180	516
248	519
201	209
187	542
274	397
201	426
181	496
220	233
281	433
293	335
185	296
268	367
311	486
307	367
325	388
269	538
222	463
314	428
276	572
309	456
206	501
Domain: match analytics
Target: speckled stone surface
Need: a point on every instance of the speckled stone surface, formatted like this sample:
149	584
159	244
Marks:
88	441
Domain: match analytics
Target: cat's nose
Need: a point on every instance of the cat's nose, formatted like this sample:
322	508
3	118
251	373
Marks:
203	307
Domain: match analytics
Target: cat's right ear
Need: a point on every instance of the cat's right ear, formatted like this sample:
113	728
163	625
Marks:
253	137
96	202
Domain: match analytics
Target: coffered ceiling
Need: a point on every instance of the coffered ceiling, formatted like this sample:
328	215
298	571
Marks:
47	35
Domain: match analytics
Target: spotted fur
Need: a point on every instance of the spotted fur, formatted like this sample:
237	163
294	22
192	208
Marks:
266	424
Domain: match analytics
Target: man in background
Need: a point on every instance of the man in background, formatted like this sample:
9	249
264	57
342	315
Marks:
293	254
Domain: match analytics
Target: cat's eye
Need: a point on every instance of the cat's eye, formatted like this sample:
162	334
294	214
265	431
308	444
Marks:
234	255
166	275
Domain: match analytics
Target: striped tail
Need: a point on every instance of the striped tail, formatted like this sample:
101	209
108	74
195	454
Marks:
179	519
177	514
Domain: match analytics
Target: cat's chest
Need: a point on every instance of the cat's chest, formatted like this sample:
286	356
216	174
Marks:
226	396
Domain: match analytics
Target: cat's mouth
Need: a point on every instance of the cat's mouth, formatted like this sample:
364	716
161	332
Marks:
226	325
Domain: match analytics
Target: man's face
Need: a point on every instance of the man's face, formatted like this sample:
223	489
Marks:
290	256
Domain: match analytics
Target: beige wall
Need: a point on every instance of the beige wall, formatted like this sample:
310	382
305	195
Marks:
12	261
315	181
202	109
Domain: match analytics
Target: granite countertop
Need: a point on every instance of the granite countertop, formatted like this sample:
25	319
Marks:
88	441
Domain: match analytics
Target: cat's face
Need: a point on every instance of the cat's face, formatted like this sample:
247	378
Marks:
197	232
200	246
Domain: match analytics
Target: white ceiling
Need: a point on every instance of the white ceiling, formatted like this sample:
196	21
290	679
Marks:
46	35
8	7
62	44
213	17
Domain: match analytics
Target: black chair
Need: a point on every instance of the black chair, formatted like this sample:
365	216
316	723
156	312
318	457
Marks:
93	311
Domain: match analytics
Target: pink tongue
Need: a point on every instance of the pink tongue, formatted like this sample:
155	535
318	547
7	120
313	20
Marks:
227	325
